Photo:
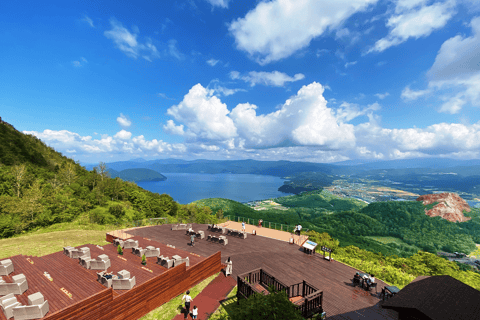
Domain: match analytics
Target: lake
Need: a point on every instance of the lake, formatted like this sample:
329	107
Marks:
188	187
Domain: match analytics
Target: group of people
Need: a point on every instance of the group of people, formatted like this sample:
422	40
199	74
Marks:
368	280
297	230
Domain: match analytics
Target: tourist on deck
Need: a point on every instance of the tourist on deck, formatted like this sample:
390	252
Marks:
370	280
192	239
228	270
194	312
186	297
260	223
299	228
296	228
356	278
243	226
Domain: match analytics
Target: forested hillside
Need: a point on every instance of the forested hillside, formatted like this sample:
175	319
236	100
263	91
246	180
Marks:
40	187
392	228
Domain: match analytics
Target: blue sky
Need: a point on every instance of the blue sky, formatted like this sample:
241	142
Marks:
319	81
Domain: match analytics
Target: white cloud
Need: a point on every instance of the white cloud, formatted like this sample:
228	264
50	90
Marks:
171	128
382	96
88	21
123	135
274	78
276	29
164	96
173	50
79	63
348	64
123	121
127	42
404	5
409	94
455	75
348	111
219	3
205	116
415	23
212	62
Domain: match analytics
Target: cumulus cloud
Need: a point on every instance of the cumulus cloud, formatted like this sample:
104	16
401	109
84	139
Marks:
123	135
415	23
304	119
123	121
219	3
274	78
276	29
212	62
171	128
205	116
127	42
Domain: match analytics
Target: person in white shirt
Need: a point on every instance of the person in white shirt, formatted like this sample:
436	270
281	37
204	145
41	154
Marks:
194	312
186	297
299	228
243	226
228	270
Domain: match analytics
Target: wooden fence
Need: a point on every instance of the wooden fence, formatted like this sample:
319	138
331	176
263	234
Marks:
141	299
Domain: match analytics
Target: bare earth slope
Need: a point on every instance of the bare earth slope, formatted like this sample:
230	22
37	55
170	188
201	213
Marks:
450	206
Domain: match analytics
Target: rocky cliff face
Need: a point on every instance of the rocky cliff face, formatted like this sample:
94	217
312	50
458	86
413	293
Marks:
450	206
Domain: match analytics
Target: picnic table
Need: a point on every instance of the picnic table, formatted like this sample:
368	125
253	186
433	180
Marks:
390	291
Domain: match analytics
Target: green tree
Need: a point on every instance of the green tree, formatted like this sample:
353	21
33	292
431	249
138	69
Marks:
267	307
19	173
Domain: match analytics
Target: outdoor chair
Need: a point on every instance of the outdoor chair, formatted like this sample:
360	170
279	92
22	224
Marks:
100	263
180	261
356	281
130	243
19	285
123	284
165	262
6	267
85	261
117	242
7	303
31	312
151	251
200	234
138	251
223	240
66	250
76	253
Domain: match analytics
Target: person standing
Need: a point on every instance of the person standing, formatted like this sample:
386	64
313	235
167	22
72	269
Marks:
192	239
299	228
243	226
296	228
186	297
228	270
194	312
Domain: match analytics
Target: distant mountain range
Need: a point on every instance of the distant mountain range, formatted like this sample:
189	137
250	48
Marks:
442	173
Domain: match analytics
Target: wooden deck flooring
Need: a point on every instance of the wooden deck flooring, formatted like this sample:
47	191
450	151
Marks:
80	282
288	264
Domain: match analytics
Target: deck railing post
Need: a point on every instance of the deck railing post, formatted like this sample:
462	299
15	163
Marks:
303	289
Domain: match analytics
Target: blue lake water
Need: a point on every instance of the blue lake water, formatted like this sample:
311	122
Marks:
187	187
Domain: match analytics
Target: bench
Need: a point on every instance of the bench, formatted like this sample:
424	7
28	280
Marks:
7	303
117	242
76	253
179	261
15	287
130	243
101	263
138	251
151	251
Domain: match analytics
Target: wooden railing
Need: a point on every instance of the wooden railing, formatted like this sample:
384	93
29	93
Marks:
312	298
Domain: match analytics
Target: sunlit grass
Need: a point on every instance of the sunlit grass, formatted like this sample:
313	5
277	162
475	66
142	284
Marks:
172	308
